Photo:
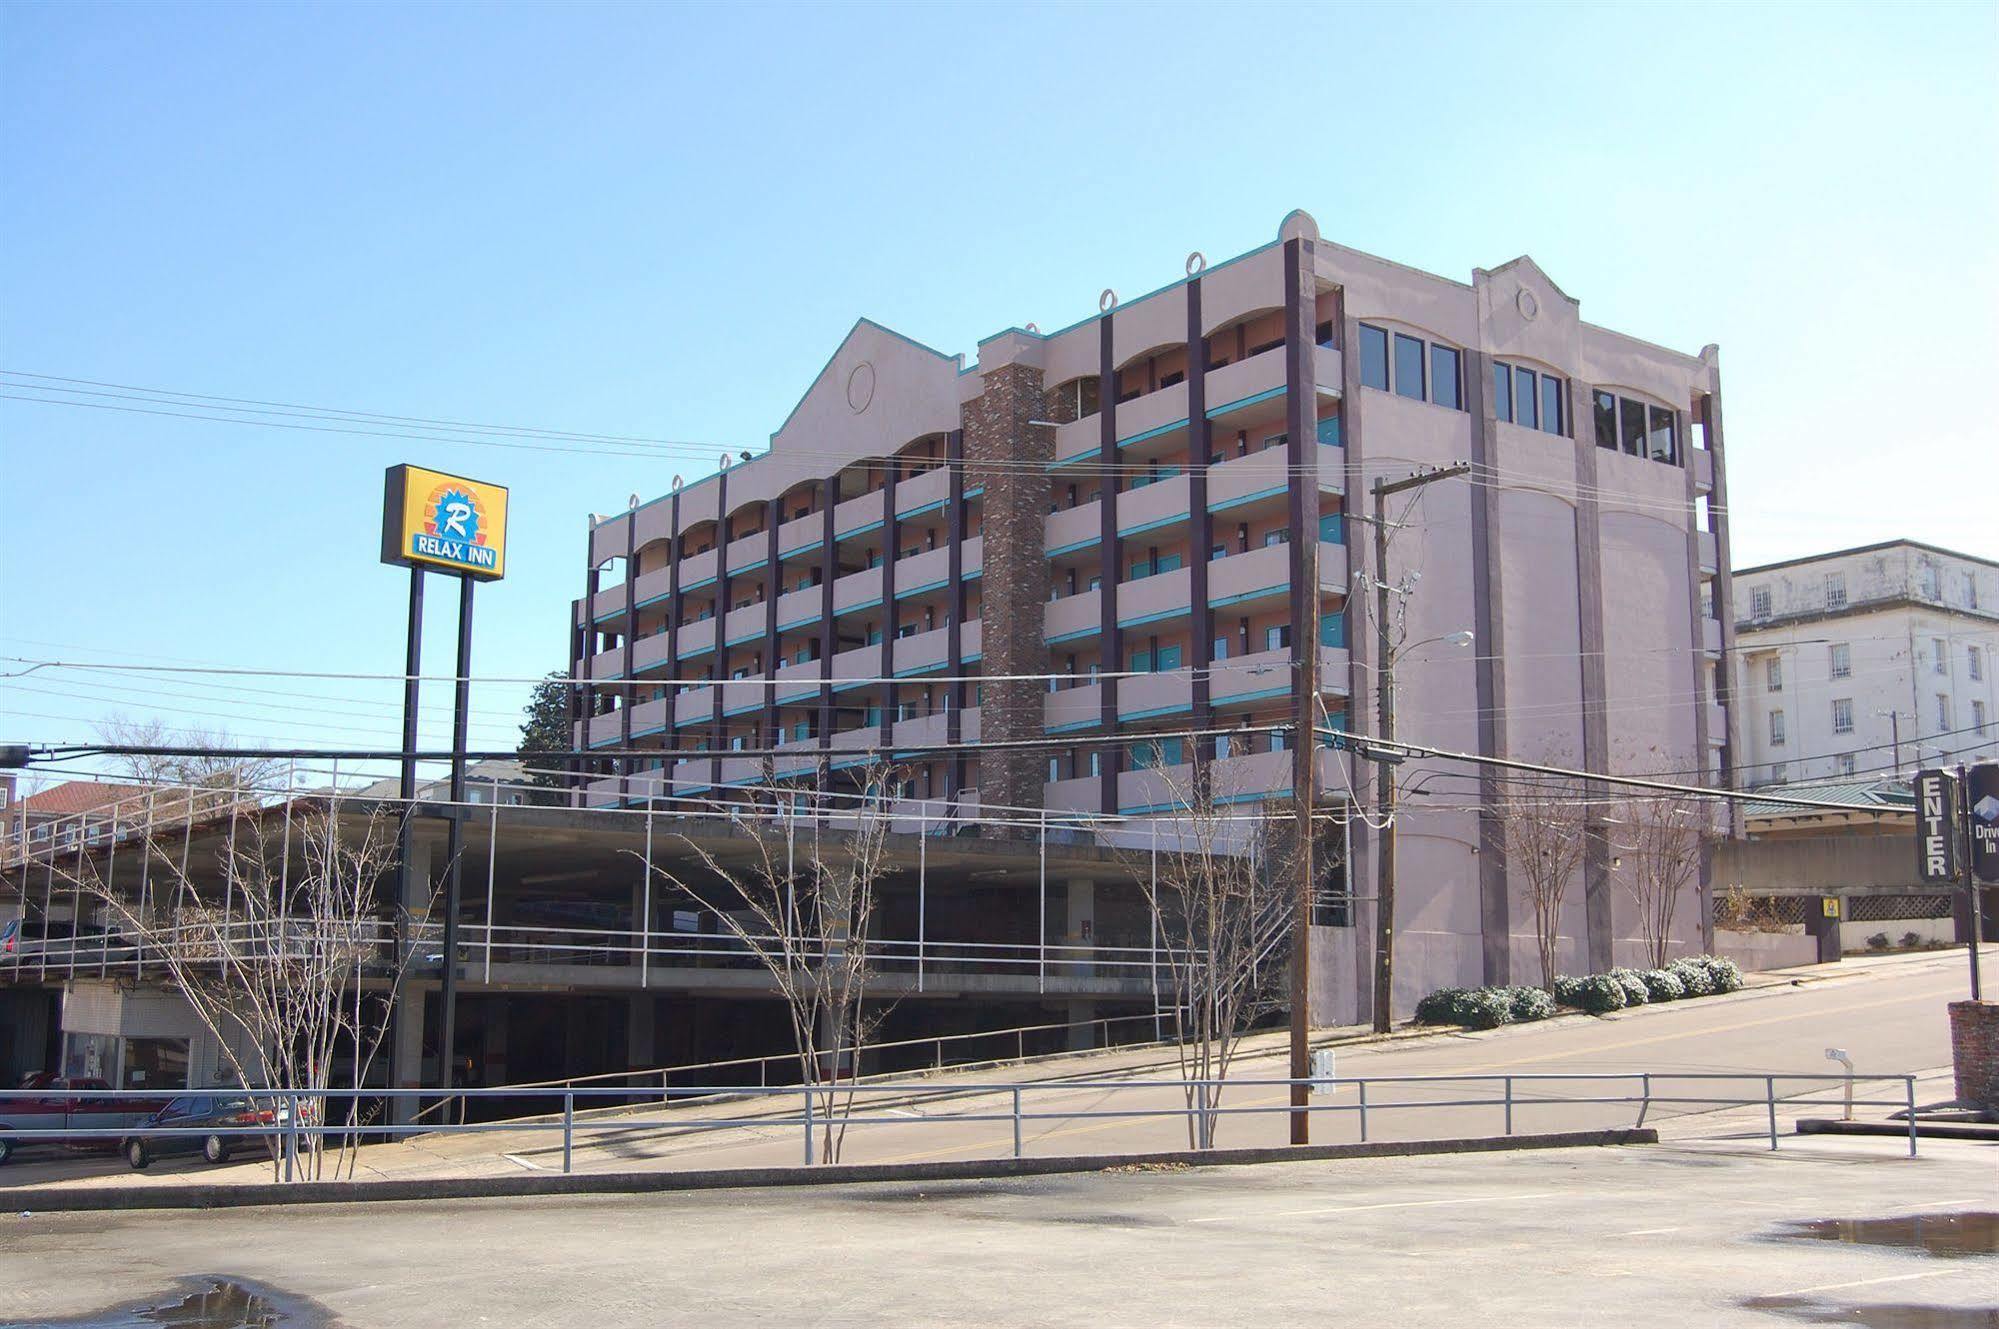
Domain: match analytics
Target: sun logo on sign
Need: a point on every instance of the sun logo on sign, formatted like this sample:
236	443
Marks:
455	513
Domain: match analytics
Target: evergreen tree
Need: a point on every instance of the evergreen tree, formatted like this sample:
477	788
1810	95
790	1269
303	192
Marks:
546	730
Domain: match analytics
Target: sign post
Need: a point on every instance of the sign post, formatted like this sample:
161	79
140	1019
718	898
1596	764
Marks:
444	523
1947	847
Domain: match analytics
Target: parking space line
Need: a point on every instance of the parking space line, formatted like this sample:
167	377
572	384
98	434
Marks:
1862	1282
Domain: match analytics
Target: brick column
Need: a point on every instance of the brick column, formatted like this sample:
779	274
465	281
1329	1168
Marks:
1974	1053
1009	458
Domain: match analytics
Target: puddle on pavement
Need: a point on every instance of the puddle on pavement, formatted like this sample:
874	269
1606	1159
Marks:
201	1303
1878	1315
1949	1235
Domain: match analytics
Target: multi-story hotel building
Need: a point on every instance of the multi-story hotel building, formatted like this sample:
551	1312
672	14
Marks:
1868	661
1126	528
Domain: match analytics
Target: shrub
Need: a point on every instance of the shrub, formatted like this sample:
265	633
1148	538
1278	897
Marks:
1530	1003
1723	976
1693	977
1635	991
1663	985
1599	994
1568	990
1484	1008
1440	1007
1912	939
1878	942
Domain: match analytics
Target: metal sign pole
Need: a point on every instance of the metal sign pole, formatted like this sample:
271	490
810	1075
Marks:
406	793
454	854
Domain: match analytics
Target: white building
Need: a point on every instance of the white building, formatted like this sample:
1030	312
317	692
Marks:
1876	659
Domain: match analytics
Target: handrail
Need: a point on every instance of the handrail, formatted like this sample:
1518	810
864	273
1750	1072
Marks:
305	1118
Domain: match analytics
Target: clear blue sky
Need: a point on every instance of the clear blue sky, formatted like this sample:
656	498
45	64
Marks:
660	220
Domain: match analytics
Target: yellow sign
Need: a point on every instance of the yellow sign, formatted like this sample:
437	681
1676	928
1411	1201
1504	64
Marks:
447	522
1830	904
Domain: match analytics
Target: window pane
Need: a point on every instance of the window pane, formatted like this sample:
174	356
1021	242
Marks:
1502	392
1551	404
1523	398
1606	420
1631	425
1444	377
1373	357
1408	367
1662	436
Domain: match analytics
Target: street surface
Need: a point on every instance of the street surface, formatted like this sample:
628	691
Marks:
1635	1236
1888	1014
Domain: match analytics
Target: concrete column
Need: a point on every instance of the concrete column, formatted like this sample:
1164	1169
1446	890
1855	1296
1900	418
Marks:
406	1031
639	1032
1080	929
406	1050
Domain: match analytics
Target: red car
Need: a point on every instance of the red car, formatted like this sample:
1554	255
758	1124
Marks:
49	1102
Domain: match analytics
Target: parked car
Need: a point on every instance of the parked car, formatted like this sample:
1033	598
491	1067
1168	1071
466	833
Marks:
214	1108
50	1102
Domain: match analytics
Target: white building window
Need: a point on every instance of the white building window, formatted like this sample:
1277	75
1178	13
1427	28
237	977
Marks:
1978	716
1847	764
1842	660
1776	729
1842	715
1773	673
1974	663
1759	602
1835	590
1943	710
1937	653
1780	772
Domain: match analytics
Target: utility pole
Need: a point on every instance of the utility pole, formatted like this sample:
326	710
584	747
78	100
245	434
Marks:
1895	728
1384	888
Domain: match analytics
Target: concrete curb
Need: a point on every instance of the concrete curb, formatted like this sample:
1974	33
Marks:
51	1199
1925	1130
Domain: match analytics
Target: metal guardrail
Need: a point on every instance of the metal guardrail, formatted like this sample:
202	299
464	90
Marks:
815	1105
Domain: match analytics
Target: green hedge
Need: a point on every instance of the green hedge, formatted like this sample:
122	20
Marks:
1598	994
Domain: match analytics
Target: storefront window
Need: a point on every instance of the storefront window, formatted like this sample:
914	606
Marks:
155	1063
94	1056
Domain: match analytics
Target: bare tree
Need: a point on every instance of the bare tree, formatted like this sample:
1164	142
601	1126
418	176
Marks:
1221	900
200	765
272	951
1665	838
805	908
1545	842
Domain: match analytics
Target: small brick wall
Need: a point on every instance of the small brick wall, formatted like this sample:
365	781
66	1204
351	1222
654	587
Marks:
1974	1053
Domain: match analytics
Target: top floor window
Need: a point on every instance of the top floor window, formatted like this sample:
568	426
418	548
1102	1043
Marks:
1418	370
1373	357
1528	399
1835	590
1759	602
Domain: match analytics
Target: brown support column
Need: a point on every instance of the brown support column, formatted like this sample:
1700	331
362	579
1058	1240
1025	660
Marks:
774	579
1109	565
1495	912
954	628
891	613
829	638
1599	929
1360	648
625	690
1302	450
1201	538
716	741
672	630
1008	457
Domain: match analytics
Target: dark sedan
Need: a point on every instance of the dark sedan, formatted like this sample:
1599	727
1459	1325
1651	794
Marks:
218	1110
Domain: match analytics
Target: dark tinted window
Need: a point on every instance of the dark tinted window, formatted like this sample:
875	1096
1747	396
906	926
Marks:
1662	435
1523	398
1444	377
1606	420
1502	392
1631	425
1551	404
1373	357
1408	367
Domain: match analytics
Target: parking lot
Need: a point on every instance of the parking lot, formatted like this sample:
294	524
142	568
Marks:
1658	1235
